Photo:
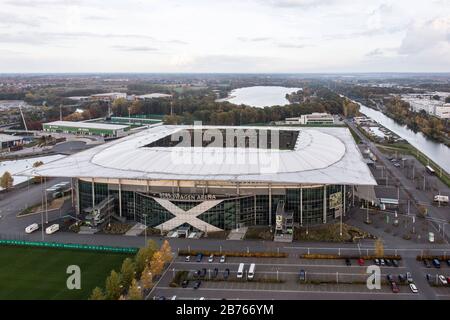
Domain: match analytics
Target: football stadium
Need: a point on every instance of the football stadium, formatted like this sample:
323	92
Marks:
214	178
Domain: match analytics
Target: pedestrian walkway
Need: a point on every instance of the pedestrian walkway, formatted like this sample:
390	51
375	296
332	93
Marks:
237	234
136	230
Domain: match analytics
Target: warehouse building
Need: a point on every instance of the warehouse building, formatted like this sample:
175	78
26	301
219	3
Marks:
214	178
86	128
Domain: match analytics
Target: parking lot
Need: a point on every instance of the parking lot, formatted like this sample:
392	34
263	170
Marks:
278	278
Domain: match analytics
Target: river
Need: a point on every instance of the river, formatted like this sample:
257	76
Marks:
438	152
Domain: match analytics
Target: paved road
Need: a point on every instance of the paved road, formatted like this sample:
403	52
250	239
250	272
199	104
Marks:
419	196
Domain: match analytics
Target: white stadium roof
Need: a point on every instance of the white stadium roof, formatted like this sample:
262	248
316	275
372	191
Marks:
320	156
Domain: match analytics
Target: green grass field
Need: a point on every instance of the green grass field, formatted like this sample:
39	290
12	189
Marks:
40	273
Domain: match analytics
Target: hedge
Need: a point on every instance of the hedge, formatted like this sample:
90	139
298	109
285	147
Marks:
335	256
234	254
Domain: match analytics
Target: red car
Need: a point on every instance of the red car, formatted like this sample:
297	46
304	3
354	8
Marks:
394	287
361	262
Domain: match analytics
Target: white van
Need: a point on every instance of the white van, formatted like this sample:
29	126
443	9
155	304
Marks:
251	271
240	272
431	237
31	228
52	229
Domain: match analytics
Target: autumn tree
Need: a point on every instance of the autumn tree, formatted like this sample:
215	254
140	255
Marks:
144	256
166	251
135	292
6	181
97	294
112	286
157	263
379	248
127	273
147	278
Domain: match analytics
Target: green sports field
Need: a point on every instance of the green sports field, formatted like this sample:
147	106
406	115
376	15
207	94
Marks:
40	273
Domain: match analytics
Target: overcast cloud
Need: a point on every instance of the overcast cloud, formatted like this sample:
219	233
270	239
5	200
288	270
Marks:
224	36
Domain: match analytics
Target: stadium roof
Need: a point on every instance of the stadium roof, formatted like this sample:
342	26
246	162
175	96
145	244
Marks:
87	125
320	156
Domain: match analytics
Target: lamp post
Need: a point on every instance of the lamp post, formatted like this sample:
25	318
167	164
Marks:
145	230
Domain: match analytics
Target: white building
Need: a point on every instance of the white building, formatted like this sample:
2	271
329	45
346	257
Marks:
443	112
108	96
313	118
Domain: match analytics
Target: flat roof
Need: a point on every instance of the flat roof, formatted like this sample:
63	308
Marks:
87	125
154	95
320	156
8	138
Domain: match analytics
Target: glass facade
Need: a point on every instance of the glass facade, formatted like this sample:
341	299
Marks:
307	205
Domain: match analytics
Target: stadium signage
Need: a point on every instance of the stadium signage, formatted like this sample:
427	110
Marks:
178	196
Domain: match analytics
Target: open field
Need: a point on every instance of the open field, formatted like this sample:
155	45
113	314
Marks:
40	273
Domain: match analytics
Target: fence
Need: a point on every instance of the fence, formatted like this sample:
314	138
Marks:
75	246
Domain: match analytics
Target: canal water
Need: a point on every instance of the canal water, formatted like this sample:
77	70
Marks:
437	152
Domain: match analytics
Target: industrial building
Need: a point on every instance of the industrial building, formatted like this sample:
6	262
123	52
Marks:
8	141
86	128
215	178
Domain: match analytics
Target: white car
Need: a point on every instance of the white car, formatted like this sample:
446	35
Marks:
413	288
211	258
31	228
187	259
222	259
442	280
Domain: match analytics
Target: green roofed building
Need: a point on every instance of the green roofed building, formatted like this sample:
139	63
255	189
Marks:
86	128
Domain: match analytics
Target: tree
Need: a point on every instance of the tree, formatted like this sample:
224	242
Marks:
379	248
157	263
6	181
144	256
166	251
97	294
37	164
147	278
135	292
112	286
127	273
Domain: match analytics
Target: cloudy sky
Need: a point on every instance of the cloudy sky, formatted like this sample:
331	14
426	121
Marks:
224	36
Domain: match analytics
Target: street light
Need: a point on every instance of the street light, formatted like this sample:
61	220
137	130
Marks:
145	230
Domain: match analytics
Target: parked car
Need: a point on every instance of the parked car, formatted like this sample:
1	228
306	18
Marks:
429	277
222	259
187	259
426	263
390	278
361	262
199	257
401	278
226	273
448	280
348	262
302	275
443	280
185	283
409	277
211	258
197	273
436	263
413	288
394	287
382	263
203	274
197	284
395	263
388	262
377	262
448	262
215	272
